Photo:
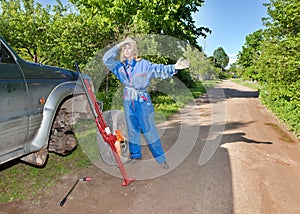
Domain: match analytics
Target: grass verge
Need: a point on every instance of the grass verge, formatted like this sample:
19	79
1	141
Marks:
19	181
168	104
248	84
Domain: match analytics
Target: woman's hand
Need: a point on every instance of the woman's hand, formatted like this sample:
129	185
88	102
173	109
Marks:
126	41
182	64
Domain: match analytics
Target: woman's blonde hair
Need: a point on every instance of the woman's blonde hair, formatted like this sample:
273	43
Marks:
133	45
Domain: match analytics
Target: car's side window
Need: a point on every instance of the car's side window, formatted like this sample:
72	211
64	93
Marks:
5	56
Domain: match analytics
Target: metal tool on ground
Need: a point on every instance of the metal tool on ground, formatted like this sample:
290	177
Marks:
104	130
66	197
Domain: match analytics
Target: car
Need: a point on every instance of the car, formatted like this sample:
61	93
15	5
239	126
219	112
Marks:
38	108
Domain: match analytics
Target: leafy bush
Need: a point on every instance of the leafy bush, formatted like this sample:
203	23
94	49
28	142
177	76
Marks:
284	102
185	76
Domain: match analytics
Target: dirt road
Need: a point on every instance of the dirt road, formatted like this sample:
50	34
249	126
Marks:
237	162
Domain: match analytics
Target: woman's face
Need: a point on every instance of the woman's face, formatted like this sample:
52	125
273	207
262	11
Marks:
128	51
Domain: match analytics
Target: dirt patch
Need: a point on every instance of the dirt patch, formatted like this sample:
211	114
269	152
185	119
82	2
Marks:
284	135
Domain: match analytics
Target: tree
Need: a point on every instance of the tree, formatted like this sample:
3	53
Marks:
250	54
221	59
50	35
279	59
251	49
200	66
121	18
24	25
56	35
283	17
235	70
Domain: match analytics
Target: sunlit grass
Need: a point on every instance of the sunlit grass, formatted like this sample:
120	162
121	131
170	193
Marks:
19	180
248	84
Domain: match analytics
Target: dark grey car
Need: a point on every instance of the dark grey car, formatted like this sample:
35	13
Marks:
37	108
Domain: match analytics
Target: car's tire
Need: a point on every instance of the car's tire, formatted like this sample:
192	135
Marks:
115	119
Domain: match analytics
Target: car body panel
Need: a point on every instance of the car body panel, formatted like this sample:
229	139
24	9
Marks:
14	118
31	95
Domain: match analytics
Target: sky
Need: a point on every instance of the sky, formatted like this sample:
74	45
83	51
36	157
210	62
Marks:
230	22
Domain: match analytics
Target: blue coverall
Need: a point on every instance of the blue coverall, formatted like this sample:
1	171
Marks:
138	108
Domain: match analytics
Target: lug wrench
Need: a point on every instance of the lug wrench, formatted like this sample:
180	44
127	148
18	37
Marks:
65	198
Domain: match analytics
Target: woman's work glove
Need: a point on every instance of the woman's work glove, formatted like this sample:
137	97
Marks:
182	64
127	40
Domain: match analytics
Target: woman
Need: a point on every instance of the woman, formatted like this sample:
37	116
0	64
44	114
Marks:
135	74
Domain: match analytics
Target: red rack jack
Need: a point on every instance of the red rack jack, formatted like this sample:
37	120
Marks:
104	130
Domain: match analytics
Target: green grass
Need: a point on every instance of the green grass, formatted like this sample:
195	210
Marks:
203	86
19	181
248	84
170	104
87	138
283	135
